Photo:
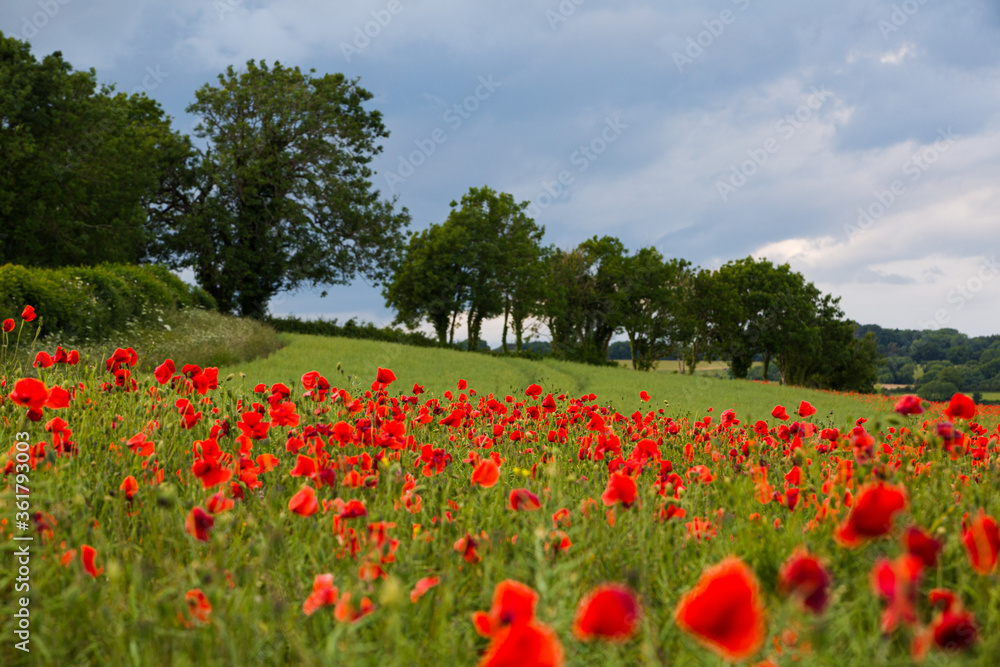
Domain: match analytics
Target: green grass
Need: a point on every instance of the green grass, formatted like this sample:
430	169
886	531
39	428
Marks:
257	567
438	370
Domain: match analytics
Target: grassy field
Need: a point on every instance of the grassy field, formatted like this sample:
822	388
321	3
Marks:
439	370
219	555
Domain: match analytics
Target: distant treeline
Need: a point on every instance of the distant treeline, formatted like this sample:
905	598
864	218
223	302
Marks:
937	362
487	260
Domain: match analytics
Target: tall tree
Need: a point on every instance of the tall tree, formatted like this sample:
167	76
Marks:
582	309
427	282
79	164
644	304
284	196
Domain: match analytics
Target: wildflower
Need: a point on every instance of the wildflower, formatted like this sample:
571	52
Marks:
960	407
723	611
608	612
523	499
871	513
982	543
304	502
199	524
323	593
87	555
804	576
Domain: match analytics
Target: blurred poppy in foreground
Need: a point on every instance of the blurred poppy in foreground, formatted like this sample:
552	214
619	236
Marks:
871	513
87	555
982	542
805	577
608	612
724	611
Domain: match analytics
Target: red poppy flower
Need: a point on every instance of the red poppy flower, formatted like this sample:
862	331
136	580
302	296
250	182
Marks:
954	628
960	407
982	543
164	371
323	593
199	524
210	472
531	645
199	608
871	513
140	444
643	396
466	546
43	359
28	314
804	576
30	393
87	555
417	389
918	543
130	486
897	581
806	409
621	489
909	405
723	611
385	376
486	473
523	499
345	612
422	587
513	604
533	391
607	612
779	412
304	502
462	384
219	503
57	399
549	403
8	325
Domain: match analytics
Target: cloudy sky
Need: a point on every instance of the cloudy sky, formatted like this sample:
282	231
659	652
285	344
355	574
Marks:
858	141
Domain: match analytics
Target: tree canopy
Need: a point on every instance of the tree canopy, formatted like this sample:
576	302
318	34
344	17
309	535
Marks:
281	195
79	164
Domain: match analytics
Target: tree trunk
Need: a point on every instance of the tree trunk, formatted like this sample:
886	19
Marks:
506	315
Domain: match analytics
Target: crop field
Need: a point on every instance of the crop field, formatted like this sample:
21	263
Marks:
356	503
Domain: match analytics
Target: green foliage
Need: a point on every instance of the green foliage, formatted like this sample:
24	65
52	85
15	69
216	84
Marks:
484	260
80	166
351	329
282	195
581	308
88	303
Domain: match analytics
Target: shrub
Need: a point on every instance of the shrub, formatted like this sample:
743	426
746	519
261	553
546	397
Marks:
89	303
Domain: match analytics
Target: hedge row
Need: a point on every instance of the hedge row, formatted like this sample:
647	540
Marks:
87	303
351	329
